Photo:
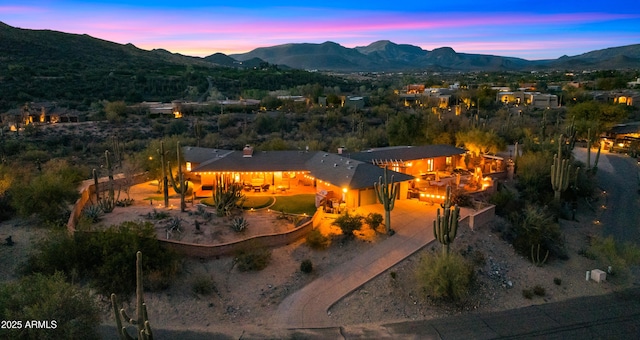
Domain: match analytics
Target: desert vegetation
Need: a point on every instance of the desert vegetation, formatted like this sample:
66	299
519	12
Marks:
43	165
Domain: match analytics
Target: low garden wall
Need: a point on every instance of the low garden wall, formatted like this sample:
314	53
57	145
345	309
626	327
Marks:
480	217
88	190
261	241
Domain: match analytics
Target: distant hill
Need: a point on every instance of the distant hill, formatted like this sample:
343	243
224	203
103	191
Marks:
385	55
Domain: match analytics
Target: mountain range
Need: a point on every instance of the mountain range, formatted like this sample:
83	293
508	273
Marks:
385	55
45	46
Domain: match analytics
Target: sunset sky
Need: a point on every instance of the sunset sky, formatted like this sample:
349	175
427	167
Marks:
527	29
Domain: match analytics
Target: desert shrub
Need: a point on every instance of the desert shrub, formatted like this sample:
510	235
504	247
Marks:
316	240
461	198
46	195
557	281
93	213
253	258
306	266
348	224
539	290
535	226
105	259
374	220
239	224
42	297
203	285
445	276
534	176
505	201
527	294
609	253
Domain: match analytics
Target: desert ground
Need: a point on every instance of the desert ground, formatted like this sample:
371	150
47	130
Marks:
244	301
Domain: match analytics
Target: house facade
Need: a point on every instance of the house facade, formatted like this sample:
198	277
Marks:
347	178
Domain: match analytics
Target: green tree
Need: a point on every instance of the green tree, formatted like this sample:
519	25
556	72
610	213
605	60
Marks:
480	142
46	195
115	111
52	299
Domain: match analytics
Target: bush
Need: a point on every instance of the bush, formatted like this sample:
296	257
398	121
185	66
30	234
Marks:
461	198
557	281
41	297
104	258
316	240
527	294
348	224
239	224
253	258
539	290
536	227
374	220
620	257
46	195
445	276
306	266
203	285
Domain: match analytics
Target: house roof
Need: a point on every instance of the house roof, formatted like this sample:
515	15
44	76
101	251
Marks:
336	169
199	155
633	127
405	153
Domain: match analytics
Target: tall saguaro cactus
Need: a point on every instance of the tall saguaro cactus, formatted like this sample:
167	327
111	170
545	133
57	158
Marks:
445	226
386	191
595	164
182	185
142	319
559	172
165	181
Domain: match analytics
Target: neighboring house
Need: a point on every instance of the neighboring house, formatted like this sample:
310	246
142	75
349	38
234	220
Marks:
623	138
330	175
43	113
535	99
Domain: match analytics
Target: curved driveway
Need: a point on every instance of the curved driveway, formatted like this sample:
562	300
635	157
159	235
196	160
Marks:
620	180
307	307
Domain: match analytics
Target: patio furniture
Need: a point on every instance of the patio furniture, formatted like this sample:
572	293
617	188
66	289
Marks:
265	187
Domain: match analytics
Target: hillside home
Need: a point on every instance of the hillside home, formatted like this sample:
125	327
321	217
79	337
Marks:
535	99
346	178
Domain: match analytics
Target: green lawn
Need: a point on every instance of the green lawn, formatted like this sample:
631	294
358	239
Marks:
257	202
296	204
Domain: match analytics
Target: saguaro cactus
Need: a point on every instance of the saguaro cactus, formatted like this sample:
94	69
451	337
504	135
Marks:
165	181
559	172
595	164
182	186
96	184
445	226
386	191
142	320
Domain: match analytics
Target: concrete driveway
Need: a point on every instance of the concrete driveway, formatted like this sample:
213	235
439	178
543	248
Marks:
307	307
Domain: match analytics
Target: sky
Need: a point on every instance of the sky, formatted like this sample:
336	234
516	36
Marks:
528	29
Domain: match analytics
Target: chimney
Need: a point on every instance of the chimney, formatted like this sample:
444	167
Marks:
247	151
341	150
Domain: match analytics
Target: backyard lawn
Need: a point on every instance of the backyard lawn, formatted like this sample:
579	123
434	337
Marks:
296	204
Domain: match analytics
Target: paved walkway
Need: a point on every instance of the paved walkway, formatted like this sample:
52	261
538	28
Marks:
307	307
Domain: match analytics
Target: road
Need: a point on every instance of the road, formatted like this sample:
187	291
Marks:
621	218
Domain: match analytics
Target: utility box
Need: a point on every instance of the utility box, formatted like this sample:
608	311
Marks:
598	275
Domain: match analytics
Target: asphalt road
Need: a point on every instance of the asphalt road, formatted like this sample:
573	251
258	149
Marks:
621	217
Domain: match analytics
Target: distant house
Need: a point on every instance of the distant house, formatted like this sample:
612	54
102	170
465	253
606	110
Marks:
535	99
39	113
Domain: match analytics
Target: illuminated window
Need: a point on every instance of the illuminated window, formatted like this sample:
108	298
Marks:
188	165
430	164
448	160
